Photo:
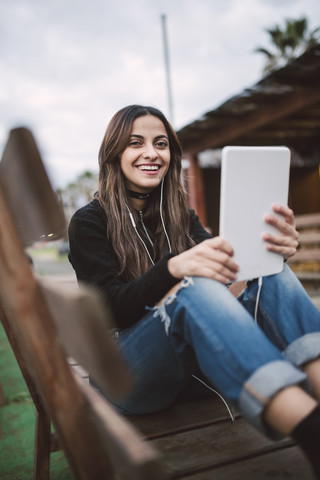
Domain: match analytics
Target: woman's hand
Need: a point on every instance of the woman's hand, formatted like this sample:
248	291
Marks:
286	243
211	258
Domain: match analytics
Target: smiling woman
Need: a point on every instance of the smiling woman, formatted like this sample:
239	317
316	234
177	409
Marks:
165	279
140	177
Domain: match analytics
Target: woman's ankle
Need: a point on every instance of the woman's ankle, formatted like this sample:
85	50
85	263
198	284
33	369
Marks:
288	408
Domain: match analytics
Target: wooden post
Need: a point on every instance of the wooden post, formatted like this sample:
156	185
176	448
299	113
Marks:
196	188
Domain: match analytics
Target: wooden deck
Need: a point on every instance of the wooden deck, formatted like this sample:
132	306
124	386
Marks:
198	441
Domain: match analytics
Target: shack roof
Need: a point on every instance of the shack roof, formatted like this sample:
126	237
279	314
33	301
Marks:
281	109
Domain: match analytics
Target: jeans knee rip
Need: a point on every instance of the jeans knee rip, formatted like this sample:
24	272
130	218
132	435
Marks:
160	310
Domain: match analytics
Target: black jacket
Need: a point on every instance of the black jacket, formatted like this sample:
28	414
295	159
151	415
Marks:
94	262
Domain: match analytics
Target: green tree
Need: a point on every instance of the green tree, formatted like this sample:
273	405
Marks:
78	193
288	42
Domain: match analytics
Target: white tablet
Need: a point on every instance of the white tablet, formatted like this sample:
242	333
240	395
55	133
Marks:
252	180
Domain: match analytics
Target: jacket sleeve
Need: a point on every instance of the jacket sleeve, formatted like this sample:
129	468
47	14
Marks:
94	262
197	231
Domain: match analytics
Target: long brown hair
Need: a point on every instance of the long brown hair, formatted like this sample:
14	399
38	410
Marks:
113	197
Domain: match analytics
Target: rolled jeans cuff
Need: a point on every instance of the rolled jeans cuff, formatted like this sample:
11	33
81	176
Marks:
261	387
304	349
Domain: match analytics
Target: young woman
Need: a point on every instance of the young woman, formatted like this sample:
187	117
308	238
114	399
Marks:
165	279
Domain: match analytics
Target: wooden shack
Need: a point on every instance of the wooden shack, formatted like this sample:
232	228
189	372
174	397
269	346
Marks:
281	109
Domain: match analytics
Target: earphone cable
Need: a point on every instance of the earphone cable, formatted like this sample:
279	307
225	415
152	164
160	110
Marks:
161	216
139	236
257	300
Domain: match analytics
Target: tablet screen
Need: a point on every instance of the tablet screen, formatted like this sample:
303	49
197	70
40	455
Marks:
252	180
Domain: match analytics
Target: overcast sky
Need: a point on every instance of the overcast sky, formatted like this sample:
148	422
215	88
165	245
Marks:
66	66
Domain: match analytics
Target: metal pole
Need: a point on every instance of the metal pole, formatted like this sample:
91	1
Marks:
167	66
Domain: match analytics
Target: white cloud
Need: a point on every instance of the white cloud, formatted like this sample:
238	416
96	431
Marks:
66	67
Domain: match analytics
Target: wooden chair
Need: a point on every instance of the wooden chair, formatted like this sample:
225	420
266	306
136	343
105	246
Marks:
46	324
196	440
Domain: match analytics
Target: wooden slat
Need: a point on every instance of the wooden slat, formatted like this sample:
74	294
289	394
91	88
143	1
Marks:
182	416
189	452
33	204
308	275
287	463
306	255
309	238
306	262
83	323
308	220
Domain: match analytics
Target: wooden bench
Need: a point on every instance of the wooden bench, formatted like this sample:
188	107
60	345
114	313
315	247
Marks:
306	262
45	325
196	440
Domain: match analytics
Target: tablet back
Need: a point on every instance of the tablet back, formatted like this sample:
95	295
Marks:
252	180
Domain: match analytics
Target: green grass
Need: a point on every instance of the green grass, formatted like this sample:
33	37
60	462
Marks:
17	424
47	252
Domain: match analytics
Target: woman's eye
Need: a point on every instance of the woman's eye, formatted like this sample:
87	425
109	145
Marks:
134	143
162	144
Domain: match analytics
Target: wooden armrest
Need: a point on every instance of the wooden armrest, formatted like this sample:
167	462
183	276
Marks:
83	324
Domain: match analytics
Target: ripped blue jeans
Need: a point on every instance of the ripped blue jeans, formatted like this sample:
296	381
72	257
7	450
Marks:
203	326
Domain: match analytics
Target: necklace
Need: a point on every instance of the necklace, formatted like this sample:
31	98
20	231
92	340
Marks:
141	196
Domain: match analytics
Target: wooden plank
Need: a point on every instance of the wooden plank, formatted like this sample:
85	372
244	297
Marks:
83	323
132	457
308	275
306	255
309	238
287	463
308	220
212	446
182	416
33	204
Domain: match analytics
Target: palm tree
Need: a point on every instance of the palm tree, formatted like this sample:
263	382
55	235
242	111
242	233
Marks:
289	42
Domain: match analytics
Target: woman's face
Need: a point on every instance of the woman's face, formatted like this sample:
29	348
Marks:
146	159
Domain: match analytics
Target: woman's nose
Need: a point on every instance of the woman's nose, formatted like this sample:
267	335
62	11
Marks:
150	152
